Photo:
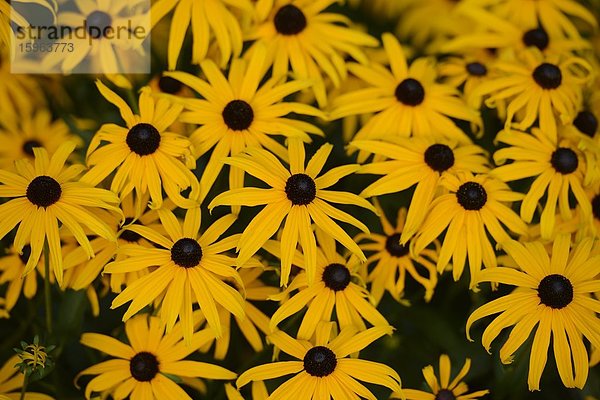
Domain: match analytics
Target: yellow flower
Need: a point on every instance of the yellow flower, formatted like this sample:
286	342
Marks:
190	263
420	161
298	33
205	17
44	193
239	112
474	206
37	130
558	169
407	99
552	292
325	369
298	196
392	260
538	88
138	369
333	287
145	155
11	380
444	389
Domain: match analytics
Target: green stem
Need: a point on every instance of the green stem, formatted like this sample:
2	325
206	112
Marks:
47	288
24	387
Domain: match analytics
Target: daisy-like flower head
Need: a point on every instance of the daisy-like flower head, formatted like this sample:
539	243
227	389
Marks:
474	206
17	142
420	161
299	34
297	195
191	269
11	381
205	17
557	167
407	99
538	88
44	193
392	260
139	368
109	55
325	370
145	155
466	72
239	112
444	389
503	34
552	293
335	286
554	15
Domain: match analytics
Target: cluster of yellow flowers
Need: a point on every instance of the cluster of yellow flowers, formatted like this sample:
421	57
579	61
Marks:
201	205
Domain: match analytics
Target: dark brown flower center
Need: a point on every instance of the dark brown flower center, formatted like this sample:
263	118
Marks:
548	76
564	160
143	366
393	246
143	139
476	69
586	123
410	92
290	20
300	189
320	361
336	277
238	115
43	191
536	38
186	253
471	196
29	145
439	157
555	291
127	235
169	85
445	394
98	23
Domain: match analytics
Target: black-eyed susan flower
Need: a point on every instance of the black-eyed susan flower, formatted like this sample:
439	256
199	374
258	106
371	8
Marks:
11	381
558	168
97	49
420	161
554	15
337	285
141	369
191	269
147	157
537	88
392	261
466	72
553	293
325	370
474	207
444	388
208	19
503	34
297	195
407	99
301	37
46	192
239	112
39	130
